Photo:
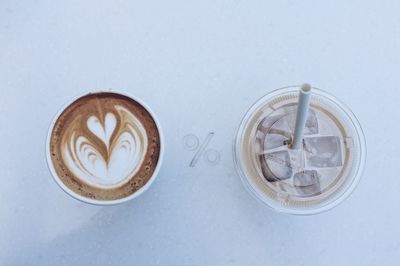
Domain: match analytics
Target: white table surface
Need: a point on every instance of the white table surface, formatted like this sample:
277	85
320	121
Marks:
199	65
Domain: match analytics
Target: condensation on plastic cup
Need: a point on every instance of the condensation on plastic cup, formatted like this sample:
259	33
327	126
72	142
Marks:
73	194
351	180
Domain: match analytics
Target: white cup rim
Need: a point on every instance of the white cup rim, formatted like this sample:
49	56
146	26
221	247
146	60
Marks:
81	198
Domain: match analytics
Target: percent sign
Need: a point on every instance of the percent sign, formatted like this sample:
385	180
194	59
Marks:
191	142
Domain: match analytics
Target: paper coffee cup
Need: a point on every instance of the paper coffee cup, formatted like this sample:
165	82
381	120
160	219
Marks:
84	199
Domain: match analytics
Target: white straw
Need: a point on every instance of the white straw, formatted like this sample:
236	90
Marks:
301	116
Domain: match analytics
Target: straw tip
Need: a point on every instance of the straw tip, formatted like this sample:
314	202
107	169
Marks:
306	88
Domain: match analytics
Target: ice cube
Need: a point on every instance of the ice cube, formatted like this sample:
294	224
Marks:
307	183
276	166
311	123
311	126
276	124
273	141
323	151
273	132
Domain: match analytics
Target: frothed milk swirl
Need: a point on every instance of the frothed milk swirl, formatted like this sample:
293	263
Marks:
111	161
105	146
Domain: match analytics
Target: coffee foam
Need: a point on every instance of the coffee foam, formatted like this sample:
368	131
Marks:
104	146
123	144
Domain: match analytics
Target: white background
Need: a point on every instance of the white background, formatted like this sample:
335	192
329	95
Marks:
199	65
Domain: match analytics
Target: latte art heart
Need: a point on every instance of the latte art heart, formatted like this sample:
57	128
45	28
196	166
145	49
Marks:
102	132
109	152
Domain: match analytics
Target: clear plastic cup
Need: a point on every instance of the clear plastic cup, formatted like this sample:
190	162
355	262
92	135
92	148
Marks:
312	179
